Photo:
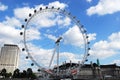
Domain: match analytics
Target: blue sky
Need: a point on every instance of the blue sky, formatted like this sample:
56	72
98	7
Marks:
101	18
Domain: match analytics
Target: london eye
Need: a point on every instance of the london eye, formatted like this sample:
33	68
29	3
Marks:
52	37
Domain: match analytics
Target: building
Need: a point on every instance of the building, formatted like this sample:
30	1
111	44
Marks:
9	57
111	71
91	71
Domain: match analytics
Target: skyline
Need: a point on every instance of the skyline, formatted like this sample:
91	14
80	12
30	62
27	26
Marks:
101	18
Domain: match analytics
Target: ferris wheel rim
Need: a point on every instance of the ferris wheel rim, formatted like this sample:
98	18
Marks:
64	12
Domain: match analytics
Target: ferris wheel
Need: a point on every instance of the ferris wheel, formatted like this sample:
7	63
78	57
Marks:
52	36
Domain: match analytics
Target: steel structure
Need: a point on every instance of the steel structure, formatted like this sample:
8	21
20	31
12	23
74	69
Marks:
67	14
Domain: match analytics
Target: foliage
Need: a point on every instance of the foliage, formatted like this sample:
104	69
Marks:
30	73
16	73
8	75
3	72
25	74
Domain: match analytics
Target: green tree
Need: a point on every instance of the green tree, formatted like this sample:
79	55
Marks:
8	75
16	73
4	72
24	74
30	74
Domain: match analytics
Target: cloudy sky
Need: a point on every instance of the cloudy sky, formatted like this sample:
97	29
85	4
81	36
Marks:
101	19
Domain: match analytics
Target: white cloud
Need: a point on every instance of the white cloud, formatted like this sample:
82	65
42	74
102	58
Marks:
43	56
22	13
114	37
10	27
92	36
63	21
74	37
51	19
58	4
106	48
89	1
51	37
10	31
114	40
12	22
102	53
48	18
3	7
67	56
104	7
68	36
8	34
116	62
32	34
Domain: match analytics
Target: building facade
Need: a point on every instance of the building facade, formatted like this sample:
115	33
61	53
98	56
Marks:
9	57
91	71
102	72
